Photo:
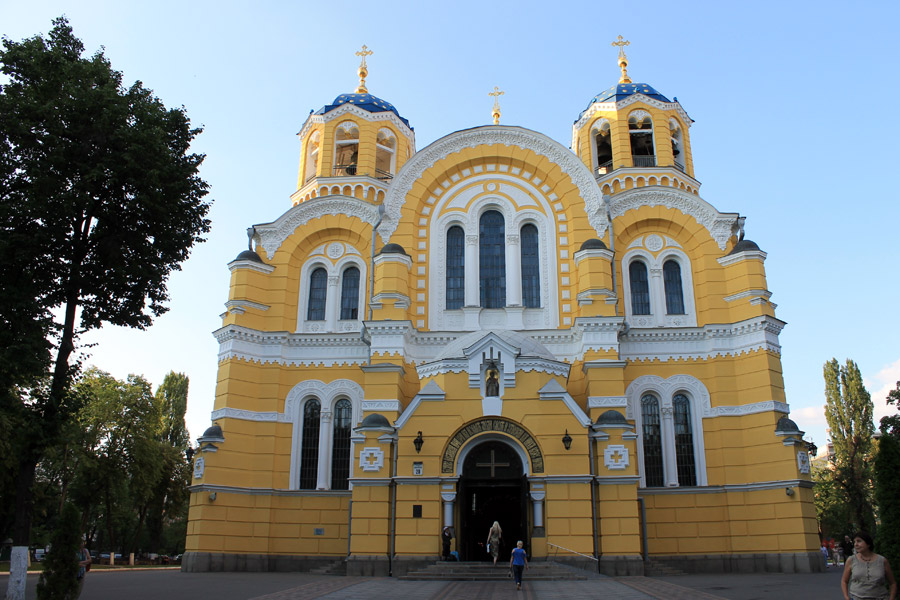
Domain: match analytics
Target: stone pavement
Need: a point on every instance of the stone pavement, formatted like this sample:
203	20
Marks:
175	585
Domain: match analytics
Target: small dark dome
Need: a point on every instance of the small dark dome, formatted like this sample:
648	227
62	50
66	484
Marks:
611	417
393	248
593	244
249	255
375	420
213	432
744	246
786	426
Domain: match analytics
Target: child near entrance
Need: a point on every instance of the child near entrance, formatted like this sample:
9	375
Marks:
518	563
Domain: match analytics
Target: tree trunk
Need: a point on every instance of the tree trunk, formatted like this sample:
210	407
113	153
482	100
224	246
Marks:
15	589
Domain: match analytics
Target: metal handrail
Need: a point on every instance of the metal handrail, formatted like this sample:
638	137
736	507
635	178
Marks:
605	168
573	552
644	161
383	175
680	167
349	169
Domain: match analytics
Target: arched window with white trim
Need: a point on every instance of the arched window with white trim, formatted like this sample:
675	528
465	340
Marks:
684	441
385	152
350	294
673	287
531	270
603	158
456	267
346	149
492	259
640	130
312	156
309	456
651	441
340	452
640	288
677	137
318	294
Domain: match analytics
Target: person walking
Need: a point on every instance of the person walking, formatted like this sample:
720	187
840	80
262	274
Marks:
495	535
518	562
867	576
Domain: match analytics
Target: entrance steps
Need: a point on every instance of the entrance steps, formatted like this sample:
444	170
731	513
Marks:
336	567
486	571
655	569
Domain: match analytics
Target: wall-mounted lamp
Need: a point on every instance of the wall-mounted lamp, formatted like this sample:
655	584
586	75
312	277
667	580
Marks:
789	491
189	453
212	496
813	449
567	440
418	442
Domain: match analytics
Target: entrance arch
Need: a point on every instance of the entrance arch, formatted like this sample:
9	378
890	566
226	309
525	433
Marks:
492	487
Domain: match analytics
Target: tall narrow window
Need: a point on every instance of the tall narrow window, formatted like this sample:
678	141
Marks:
531	275
651	441
318	291
677	142
640	129
604	149
312	156
492	259
640	288
684	441
309	454
674	291
456	267
350	294
340	454
346	149
385	148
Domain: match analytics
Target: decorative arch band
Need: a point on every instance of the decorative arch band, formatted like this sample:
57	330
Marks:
492	425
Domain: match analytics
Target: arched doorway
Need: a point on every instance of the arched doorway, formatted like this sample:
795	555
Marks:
492	487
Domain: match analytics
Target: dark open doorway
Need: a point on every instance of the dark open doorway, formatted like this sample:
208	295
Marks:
492	488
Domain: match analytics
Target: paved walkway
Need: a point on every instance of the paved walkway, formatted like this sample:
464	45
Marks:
174	585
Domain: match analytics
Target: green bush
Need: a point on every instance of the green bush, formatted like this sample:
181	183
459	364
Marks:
887	495
59	581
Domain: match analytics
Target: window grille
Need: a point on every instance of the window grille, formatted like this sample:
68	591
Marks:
340	454
684	441
640	288
492	260
350	294
309	454
674	291
531	275
456	268
318	291
652	441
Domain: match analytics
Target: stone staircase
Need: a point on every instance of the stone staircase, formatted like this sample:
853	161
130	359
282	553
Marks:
486	571
655	569
336	567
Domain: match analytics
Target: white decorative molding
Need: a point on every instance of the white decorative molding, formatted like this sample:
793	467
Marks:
381	405
272	235
592	253
371	459
526	139
803	462
615	458
730	259
250	264
400	300
290	349
764	294
432	392
659	316
626	102
239	307
653	243
249	415
199	467
607	402
554	391
719	225
351	109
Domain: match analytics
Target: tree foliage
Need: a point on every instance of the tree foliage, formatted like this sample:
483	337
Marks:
848	411
887	494
59	578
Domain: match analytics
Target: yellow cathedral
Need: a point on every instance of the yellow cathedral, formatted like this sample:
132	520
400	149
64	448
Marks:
571	342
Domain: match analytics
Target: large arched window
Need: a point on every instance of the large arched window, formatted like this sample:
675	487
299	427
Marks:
312	156
651	439
674	290
346	148
318	292
309	457
340	453
640	288
531	273
350	294
385	150
640	129
492	259
684	441
456	267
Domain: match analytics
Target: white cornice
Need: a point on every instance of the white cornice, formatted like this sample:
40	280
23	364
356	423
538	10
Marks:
350	109
730	259
250	264
526	139
625	103
272	235
239	307
593	253
719	225
290	349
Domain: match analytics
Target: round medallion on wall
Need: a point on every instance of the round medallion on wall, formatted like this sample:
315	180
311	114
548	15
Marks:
654	243
490	187
335	250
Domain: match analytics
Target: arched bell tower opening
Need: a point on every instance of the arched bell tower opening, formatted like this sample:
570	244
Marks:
493	487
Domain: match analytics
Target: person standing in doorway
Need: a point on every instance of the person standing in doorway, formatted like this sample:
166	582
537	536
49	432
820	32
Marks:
518	562
495	535
446	537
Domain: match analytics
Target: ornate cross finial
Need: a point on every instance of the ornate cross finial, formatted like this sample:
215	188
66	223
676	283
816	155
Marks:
496	112
363	69
623	60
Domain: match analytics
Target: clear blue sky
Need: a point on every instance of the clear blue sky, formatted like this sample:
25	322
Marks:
789	99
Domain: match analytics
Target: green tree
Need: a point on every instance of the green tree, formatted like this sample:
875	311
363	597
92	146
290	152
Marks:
832	511
891	423
848	411
887	494
59	578
100	200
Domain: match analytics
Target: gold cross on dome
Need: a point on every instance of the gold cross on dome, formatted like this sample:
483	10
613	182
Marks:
363	70
623	60
366	52
496	112
619	42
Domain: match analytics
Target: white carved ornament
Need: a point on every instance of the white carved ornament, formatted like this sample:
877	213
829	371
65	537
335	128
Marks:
371	459
616	458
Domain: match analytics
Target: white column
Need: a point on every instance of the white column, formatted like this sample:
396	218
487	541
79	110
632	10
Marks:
324	472
513	271
473	297
657	296
667	430
332	303
537	499
449	498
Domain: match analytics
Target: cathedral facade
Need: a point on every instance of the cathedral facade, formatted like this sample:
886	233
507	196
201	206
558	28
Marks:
571	342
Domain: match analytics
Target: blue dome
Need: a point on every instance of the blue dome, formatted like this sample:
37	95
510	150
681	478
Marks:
620	91
368	102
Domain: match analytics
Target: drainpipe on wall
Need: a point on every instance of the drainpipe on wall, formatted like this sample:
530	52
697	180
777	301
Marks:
394	448
593	500
643	528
